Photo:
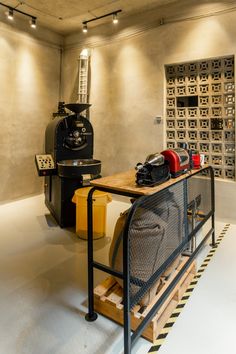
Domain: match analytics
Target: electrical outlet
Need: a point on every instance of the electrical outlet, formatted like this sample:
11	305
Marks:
157	120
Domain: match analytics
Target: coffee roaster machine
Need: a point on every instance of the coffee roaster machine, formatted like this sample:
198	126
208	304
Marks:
68	162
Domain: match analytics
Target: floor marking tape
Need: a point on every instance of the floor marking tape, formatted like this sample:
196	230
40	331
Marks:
154	349
170	324
201	270
180	306
174	316
183	301
177	310
160	341
204	265
185	297
191	286
165	330
163	335
171	321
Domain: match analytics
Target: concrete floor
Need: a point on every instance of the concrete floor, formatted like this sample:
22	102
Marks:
43	291
43	285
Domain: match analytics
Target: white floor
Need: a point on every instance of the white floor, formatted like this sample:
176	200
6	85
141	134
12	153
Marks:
43	277
207	325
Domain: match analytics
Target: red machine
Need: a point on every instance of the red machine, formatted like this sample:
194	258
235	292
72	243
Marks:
178	159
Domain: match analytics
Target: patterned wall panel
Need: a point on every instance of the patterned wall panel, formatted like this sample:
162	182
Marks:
200	110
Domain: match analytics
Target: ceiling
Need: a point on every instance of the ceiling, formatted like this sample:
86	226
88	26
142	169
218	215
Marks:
66	16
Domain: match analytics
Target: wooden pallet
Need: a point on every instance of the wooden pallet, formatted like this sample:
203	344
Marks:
108	297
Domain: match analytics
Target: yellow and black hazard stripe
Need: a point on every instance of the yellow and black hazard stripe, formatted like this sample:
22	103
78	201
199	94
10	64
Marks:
175	314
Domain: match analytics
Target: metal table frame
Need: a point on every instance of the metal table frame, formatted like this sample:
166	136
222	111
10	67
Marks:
131	338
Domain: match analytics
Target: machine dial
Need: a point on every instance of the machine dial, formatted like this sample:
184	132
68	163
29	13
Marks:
76	133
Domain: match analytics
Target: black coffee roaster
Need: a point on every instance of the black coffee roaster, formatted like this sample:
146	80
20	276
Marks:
68	162
155	170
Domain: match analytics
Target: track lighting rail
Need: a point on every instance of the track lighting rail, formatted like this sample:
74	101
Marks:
11	11
114	15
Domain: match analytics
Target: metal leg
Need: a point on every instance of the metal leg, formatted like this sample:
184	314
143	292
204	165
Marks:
127	329
213	241
91	315
213	206
192	248
126	293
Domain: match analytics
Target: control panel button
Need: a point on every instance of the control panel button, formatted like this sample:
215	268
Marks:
45	164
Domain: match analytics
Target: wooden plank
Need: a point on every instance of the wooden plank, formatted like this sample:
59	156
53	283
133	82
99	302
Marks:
105	308
102	288
135	311
152	330
185	280
109	304
159	323
184	286
116	296
163	289
125	182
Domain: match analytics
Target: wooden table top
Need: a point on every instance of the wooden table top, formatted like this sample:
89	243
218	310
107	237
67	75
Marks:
125	182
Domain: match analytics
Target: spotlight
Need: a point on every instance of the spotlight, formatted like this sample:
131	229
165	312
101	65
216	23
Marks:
85	28
114	15
115	18
33	22
12	10
10	14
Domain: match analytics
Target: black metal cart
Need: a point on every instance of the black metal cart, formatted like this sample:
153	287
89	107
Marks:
193	197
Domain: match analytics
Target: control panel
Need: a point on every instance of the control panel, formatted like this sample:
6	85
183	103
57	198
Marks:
45	165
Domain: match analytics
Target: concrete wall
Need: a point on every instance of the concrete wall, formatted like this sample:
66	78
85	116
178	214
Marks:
127	79
29	87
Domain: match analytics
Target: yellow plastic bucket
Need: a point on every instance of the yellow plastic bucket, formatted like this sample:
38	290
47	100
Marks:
100	201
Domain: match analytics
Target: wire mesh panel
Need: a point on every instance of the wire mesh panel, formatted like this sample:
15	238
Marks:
156	229
149	240
199	191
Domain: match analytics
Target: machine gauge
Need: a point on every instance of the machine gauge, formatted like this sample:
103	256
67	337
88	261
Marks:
76	133
83	130
79	124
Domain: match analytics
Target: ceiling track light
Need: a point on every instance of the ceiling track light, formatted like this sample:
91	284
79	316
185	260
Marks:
85	28
10	14
115	18
114	15
11	10
33	22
